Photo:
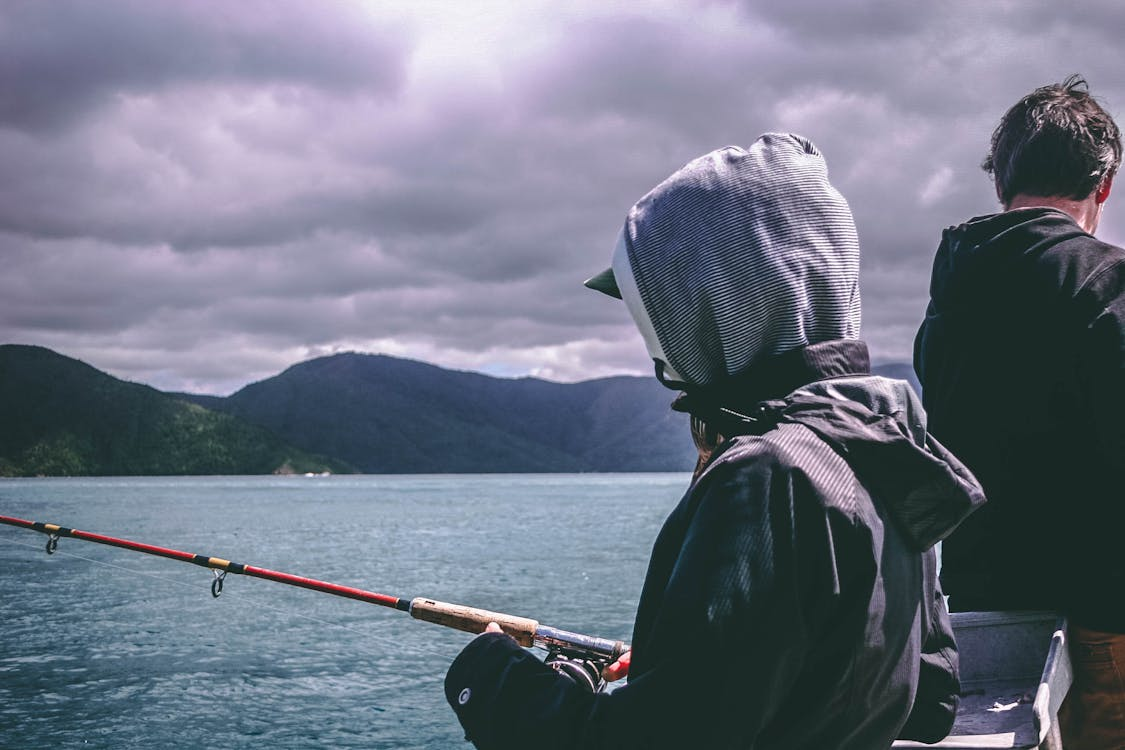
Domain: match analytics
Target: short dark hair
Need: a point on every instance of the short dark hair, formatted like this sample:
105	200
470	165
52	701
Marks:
1056	141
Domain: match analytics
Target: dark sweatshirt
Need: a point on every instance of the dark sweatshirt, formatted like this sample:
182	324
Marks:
1022	363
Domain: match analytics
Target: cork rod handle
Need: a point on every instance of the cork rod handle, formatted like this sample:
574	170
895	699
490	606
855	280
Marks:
473	620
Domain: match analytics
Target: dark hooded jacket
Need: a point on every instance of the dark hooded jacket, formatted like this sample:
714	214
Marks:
1022	361
790	600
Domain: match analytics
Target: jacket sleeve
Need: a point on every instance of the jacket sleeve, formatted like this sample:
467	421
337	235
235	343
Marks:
939	685
725	645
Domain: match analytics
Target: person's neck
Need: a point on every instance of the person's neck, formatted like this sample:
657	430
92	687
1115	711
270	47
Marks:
1085	212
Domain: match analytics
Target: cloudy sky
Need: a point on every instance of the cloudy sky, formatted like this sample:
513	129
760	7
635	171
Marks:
196	194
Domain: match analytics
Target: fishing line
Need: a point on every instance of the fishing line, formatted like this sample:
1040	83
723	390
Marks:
258	600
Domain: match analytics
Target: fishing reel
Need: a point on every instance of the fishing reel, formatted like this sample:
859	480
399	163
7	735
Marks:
588	674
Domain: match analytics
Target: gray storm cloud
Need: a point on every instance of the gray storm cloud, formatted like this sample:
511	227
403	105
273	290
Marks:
62	59
198	195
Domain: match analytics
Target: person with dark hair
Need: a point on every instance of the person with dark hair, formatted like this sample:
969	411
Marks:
1055	142
1022	361
791	599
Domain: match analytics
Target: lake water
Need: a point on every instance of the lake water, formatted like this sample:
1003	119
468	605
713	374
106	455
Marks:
106	648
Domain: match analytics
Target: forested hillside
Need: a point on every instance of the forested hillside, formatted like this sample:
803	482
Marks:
61	417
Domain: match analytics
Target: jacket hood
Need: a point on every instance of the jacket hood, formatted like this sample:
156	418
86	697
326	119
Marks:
981	253
878	426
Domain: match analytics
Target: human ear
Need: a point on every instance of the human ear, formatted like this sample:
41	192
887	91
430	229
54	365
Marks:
1103	190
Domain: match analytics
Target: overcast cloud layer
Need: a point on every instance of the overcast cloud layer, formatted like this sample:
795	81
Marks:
199	194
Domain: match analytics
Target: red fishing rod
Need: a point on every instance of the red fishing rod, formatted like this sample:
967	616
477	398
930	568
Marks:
559	643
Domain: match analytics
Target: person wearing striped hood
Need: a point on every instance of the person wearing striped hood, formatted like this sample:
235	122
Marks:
791	599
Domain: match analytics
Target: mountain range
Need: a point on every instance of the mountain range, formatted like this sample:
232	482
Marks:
388	415
343	413
61	417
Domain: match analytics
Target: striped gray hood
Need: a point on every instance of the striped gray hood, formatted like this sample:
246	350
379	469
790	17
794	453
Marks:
740	255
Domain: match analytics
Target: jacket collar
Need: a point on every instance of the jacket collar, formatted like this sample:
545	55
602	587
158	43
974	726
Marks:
877	425
779	375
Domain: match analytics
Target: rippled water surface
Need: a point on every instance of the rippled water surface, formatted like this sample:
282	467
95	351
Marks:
106	648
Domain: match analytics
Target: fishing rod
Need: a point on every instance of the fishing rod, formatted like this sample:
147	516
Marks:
568	652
